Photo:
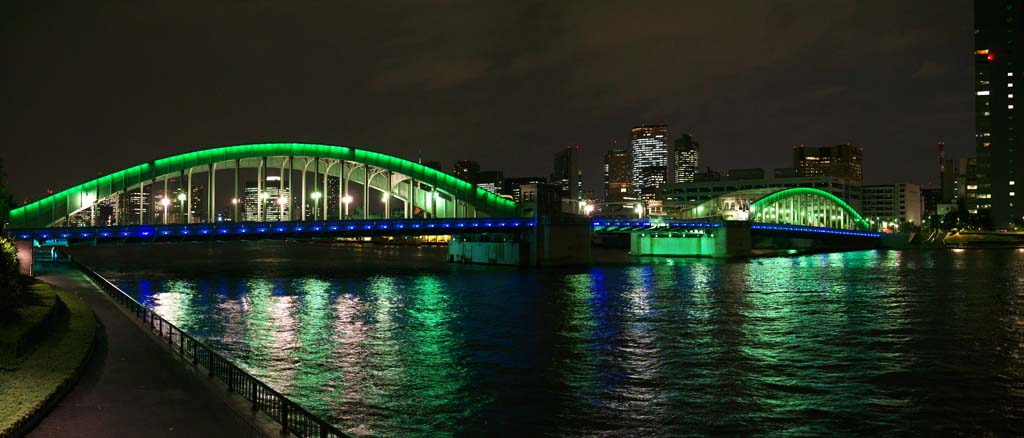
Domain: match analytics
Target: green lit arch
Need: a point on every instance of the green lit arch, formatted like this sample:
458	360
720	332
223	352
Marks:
45	211
780	195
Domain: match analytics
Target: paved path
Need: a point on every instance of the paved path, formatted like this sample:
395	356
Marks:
133	386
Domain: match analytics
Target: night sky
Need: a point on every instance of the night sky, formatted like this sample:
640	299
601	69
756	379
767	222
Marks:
91	87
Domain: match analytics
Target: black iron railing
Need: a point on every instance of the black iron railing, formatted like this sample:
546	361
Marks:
293	418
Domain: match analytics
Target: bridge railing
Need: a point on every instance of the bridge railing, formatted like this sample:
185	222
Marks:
294	419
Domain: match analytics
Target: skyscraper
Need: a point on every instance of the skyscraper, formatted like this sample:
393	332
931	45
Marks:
649	146
842	160
567	174
1000	156
617	165
687	155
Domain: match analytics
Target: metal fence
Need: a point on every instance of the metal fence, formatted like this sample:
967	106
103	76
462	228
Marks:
293	418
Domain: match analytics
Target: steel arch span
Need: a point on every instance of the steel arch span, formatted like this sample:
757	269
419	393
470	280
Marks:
806	206
799	206
302	170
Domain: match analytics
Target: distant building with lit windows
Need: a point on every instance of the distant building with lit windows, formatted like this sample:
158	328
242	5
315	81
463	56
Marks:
269	208
687	158
1000	154
842	161
886	204
567	173
617	165
466	170
491	180
649	149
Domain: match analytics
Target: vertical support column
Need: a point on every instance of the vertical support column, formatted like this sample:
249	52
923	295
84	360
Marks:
326	196
188	208
366	191
259	190
302	196
412	198
341	189
316	188
344	188
211	191
433	202
387	200
236	201
280	191
291	194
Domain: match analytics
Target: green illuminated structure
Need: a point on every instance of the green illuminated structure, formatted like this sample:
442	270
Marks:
794	206
416	188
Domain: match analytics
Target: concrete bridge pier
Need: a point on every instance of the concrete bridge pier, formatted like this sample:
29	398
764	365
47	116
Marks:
727	239
554	241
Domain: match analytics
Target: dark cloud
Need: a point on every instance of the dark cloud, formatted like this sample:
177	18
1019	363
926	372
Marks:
93	87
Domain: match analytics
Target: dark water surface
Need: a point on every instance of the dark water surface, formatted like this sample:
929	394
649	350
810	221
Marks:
393	341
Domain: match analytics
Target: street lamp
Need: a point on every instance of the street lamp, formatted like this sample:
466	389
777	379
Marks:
181	198
282	200
316	203
346	200
165	202
588	209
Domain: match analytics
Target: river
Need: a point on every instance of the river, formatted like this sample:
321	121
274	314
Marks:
392	341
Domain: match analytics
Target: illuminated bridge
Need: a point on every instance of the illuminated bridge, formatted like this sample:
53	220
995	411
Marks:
295	190
754	221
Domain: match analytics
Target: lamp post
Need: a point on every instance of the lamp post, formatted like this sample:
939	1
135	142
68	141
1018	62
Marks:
316	203
281	201
346	200
165	202
182	197
234	204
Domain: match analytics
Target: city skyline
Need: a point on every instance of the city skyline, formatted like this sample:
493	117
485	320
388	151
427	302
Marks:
903	84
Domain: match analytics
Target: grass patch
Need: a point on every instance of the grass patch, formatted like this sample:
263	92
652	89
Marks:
51	367
29	324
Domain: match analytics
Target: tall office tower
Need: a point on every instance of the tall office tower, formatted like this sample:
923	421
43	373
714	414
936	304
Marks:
136	206
842	160
270	207
649	148
999	152
466	170
617	165
687	155
567	173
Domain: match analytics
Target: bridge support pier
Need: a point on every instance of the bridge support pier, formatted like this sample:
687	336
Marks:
553	241
728	239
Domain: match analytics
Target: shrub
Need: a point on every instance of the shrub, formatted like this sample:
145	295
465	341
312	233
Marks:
12	286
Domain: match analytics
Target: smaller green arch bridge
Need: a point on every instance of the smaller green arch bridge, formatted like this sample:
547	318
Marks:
799	206
293	181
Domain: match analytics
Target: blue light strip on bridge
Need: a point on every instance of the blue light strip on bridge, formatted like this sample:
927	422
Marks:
360	228
803	229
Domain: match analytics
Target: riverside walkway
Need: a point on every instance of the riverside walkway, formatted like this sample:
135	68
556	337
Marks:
133	386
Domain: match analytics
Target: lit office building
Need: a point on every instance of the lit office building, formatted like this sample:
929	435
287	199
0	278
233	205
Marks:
514	186
649	150
266	206
617	165
687	158
842	161
886	204
1000	165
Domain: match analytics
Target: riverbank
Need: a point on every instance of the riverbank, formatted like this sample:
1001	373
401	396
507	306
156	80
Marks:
45	352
